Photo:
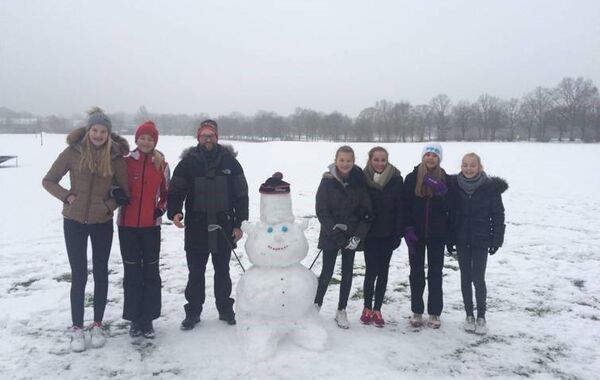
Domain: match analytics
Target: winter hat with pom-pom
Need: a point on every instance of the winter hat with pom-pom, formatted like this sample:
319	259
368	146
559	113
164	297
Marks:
147	128
275	200
97	116
433	147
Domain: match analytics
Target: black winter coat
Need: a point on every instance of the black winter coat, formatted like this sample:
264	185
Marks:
339	202
428	216
387	209
477	220
214	189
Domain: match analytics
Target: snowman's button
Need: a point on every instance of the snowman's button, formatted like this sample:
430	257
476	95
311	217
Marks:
282	305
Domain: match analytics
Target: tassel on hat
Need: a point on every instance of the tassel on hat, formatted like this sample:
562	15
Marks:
97	116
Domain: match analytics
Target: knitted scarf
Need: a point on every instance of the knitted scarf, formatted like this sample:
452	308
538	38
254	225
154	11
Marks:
378	181
470	185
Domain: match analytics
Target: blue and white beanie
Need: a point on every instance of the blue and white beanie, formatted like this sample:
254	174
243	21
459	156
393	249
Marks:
433	147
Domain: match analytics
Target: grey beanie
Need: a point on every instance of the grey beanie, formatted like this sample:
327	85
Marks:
97	116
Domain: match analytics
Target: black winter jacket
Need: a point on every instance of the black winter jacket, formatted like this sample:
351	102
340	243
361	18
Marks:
477	220
428	216
387	209
339	202
214	189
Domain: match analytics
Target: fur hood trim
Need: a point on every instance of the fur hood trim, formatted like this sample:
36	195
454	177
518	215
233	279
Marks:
120	146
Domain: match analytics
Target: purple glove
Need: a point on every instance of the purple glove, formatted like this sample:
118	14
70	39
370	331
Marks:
410	236
438	187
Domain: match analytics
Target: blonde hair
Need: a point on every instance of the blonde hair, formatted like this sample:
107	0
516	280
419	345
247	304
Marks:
377	149
159	160
476	157
97	161
437	173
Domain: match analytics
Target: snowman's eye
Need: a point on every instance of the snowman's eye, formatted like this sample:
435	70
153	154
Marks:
270	229
284	229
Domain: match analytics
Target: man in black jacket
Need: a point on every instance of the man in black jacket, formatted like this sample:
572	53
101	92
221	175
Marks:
211	182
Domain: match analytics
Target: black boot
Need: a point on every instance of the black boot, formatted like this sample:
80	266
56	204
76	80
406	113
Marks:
228	317
135	329
147	329
189	322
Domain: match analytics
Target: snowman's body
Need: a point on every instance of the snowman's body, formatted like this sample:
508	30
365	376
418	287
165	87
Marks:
275	296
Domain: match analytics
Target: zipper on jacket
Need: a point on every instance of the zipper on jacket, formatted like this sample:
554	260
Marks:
89	201
142	191
470	196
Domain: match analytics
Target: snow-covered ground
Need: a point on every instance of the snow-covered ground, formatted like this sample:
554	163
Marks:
544	291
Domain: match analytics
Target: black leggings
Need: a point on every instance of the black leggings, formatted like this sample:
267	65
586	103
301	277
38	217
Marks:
378	253
76	239
329	258
472	262
140	250
435	264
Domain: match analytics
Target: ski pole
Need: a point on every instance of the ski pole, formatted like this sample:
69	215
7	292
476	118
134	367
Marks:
315	260
214	227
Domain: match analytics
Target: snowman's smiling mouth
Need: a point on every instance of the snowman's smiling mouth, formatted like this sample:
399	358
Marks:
277	248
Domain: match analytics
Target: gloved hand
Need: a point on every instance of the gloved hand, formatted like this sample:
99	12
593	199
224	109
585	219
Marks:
438	187
158	212
493	250
353	243
338	238
451	248
119	196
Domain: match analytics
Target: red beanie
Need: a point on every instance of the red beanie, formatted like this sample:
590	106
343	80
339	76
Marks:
148	128
208	124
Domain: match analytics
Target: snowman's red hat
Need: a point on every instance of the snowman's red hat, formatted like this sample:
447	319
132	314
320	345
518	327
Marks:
275	185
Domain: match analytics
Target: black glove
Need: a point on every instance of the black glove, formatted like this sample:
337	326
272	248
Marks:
451	248
119	196
338	238
493	250
158	212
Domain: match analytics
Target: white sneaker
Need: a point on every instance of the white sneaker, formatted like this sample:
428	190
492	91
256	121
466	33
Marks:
98	338
480	327
416	320
434	322
469	324
77	339
342	319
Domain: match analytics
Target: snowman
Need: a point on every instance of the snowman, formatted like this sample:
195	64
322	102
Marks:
275	296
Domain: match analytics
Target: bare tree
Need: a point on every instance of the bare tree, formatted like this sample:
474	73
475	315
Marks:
573	99
440	107
539	103
422	118
463	116
512	111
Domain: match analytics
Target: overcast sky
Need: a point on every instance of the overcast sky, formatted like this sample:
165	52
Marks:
218	57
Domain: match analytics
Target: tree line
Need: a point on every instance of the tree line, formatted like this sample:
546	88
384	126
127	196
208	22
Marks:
570	111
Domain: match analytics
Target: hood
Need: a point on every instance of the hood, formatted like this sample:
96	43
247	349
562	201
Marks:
355	175
497	184
120	146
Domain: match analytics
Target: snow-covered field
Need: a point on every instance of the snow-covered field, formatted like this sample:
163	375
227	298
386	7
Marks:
544	291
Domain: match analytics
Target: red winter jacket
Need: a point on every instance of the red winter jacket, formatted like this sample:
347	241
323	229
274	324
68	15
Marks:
148	187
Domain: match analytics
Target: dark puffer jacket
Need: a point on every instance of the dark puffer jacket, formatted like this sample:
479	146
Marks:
477	220
428	216
343	202
387	207
214	189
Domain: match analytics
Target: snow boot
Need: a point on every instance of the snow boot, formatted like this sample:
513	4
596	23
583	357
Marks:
342	319
77	339
469	324
147	329
228	317
97	333
189	322
135	329
367	316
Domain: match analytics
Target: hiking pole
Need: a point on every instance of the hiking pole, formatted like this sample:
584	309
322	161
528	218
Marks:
341	227
315	260
214	227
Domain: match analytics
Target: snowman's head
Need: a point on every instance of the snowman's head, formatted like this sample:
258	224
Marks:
275	245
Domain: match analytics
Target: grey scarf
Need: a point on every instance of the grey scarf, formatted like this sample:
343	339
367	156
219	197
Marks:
470	185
